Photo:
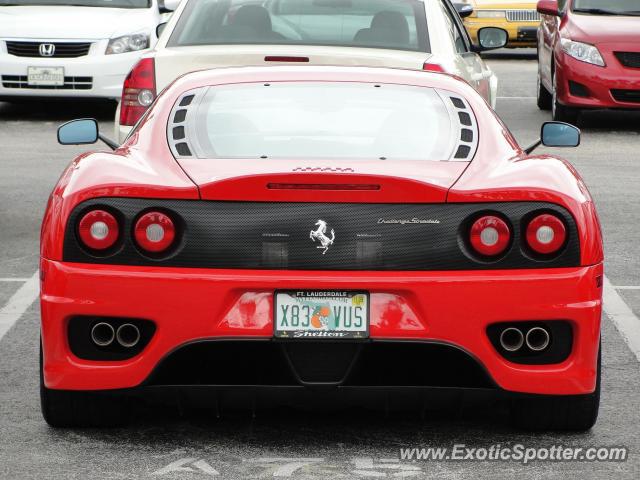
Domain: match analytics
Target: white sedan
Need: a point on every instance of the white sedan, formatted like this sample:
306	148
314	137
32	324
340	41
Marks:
73	48
409	34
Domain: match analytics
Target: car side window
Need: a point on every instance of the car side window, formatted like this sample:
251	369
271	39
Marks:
456	34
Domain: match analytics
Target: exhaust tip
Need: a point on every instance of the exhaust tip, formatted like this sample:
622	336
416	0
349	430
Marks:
128	335
102	334
538	339
511	339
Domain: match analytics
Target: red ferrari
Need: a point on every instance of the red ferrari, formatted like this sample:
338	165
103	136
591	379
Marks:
588	56
293	233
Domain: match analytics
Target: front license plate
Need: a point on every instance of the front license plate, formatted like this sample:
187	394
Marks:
45	76
321	314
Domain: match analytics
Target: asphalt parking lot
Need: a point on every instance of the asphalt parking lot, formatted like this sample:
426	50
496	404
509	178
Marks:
166	443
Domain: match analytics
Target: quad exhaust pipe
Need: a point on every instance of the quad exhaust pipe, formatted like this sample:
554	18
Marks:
511	339
128	335
536	339
103	334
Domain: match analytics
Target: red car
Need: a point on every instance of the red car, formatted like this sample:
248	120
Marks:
320	232
588	56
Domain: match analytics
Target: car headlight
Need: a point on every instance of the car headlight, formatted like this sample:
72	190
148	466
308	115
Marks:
582	51
491	13
128	43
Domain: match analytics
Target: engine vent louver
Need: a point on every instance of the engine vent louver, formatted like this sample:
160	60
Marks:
177	128
466	124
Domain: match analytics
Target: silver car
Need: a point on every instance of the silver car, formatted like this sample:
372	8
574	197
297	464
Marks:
407	34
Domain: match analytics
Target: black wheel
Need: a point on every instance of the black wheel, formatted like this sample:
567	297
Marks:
576	413
63	409
544	97
562	113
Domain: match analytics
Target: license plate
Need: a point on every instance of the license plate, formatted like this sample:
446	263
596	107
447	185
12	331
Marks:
318	315
45	76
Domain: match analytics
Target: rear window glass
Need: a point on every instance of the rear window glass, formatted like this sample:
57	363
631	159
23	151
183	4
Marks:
389	24
321	120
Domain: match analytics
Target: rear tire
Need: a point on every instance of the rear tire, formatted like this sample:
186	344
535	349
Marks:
65	409
576	413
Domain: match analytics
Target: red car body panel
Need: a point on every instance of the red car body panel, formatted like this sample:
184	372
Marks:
609	34
423	306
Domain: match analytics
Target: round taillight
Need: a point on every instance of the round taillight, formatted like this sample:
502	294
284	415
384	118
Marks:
546	234
490	236
98	230
155	232
145	97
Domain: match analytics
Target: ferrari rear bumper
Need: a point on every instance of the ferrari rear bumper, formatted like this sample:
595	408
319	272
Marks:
445	313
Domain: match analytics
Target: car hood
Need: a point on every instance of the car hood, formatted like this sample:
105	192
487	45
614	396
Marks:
598	29
401	181
68	22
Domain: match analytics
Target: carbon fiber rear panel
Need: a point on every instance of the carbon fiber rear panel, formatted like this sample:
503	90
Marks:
246	235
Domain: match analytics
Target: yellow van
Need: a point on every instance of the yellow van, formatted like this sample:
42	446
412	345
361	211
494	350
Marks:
518	18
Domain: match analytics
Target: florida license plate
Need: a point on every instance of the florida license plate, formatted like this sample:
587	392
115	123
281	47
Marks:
45	76
321	314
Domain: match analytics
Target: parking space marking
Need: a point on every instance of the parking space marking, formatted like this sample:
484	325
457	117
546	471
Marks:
14	279
19	303
628	287
625	321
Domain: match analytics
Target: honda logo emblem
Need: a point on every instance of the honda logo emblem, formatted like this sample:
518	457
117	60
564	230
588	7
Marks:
47	49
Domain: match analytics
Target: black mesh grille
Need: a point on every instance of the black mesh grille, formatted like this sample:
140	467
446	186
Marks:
578	89
465	119
629	59
60	49
463	151
466	135
274	236
631	96
70	83
457	102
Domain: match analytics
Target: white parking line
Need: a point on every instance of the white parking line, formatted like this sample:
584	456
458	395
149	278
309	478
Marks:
628	287
12	279
622	317
18	303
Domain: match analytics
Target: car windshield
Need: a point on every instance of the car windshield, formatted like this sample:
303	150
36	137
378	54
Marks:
80	3
608	7
390	24
322	120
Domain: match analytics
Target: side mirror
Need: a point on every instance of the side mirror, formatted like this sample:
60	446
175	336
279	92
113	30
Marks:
548	7
78	132
559	134
82	132
463	9
490	38
160	28
556	134
167	6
